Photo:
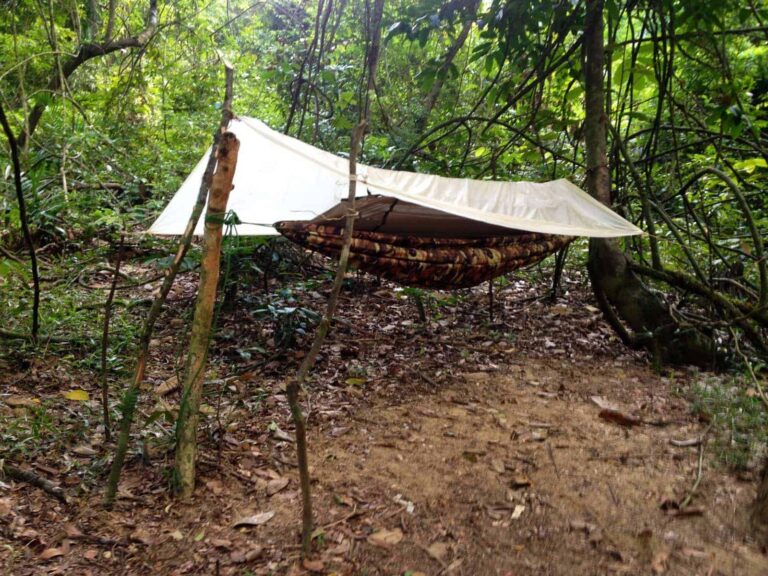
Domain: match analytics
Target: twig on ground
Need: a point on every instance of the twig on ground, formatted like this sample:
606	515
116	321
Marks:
552	458
699	473
685	443
11	255
133	283
349	516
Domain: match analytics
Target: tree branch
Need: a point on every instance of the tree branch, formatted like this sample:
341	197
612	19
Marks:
87	52
14	146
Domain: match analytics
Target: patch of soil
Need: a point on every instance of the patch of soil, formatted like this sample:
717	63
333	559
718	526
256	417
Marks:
514	472
534	444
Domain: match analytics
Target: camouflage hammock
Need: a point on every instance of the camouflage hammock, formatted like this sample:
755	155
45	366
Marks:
418	246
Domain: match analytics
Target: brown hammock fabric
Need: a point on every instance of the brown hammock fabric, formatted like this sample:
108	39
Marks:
471	252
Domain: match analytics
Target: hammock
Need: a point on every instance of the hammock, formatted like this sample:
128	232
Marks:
417	246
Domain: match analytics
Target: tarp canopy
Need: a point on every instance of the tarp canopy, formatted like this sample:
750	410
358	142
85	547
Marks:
281	178
393	216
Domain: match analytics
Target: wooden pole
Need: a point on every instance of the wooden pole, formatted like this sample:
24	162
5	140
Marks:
131	394
192	390
294	386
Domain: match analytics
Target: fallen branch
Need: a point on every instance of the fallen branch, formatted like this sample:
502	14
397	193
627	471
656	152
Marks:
33	479
355	512
689	443
8	254
133	282
699	473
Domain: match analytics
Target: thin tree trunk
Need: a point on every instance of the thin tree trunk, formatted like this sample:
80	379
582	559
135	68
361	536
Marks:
598	176
132	393
294	387
13	144
93	13
110	20
620	293
192	391
437	85
105	341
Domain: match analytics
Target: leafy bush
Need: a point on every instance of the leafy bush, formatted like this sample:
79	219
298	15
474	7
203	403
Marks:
289	320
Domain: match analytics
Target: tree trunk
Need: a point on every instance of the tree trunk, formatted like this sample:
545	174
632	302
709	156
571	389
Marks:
105	341
294	386
192	391
620	293
437	85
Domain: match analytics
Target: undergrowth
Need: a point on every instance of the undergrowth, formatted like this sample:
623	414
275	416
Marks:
738	416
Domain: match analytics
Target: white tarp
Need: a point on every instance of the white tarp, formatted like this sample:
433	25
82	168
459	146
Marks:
281	178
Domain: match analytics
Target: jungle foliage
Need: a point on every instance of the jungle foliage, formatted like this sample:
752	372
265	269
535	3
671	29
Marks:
111	104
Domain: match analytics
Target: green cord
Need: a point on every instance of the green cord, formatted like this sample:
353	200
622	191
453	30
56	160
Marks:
229	219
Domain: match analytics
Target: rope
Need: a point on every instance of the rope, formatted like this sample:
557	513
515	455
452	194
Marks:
229	219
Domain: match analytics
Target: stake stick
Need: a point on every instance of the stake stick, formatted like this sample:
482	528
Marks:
132	393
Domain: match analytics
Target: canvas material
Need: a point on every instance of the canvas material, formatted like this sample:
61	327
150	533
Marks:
281	178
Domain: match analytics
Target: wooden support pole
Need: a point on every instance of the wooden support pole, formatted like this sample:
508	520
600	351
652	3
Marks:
132	393
194	373
294	387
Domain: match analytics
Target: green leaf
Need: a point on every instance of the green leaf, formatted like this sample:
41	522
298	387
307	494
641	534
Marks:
157	414
751	164
342	123
9	267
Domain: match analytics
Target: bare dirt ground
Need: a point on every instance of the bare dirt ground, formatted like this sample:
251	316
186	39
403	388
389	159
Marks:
532	445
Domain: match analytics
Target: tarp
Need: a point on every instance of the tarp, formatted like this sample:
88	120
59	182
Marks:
281	178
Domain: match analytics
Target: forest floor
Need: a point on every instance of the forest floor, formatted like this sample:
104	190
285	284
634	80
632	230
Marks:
533	444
